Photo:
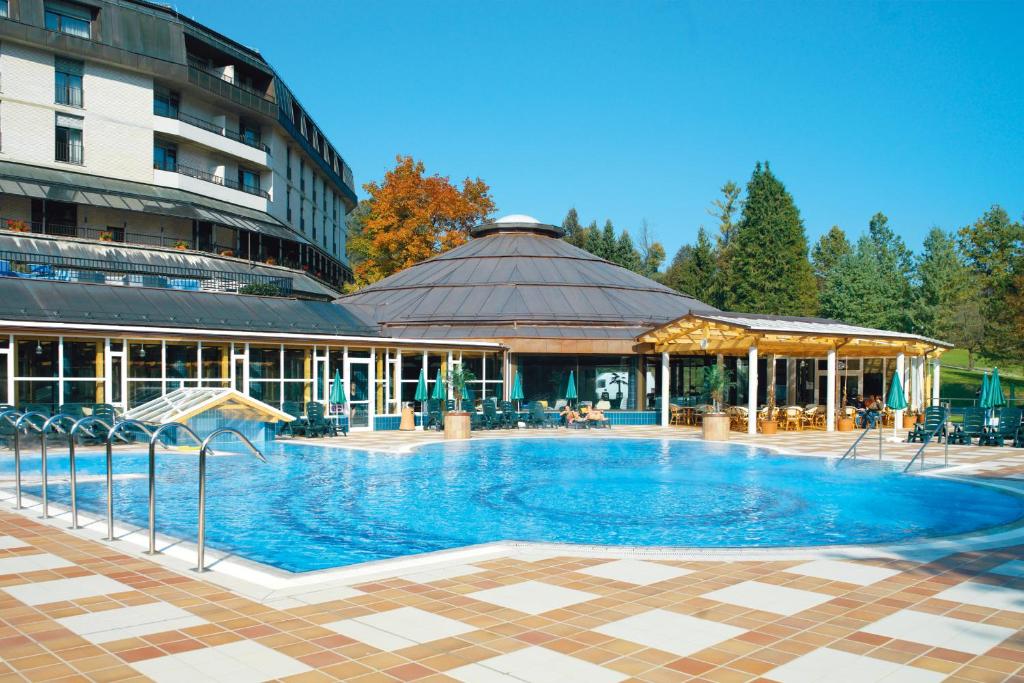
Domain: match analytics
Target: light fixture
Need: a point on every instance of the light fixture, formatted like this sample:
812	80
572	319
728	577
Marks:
142	351
39	349
704	344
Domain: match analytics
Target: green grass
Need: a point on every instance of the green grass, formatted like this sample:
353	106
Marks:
957	383
958	357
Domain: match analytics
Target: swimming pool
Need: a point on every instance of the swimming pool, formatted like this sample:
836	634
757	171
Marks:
313	507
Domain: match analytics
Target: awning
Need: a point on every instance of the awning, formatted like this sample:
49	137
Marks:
734	333
81	188
181	405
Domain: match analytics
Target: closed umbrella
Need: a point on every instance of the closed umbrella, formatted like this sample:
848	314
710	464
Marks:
895	401
337	396
438	393
996	399
421	389
517	390
570	391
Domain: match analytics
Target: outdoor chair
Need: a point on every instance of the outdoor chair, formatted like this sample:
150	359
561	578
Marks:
808	417
75	410
934	426
600	420
792	419
1008	428
449	405
44	408
296	427
433	418
509	415
538	417
676	415
491	418
317	424
973	425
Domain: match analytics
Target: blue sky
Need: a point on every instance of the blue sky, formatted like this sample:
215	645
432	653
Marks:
641	110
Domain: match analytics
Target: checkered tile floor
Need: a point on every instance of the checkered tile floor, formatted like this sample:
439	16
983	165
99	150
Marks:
78	609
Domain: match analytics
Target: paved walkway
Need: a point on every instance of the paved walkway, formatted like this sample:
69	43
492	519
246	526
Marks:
74	608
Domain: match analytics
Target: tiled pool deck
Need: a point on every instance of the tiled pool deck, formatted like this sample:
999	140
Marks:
75	608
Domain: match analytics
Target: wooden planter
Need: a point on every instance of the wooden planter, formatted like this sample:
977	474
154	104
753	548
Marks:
456	426
845	424
716	427
909	421
770	427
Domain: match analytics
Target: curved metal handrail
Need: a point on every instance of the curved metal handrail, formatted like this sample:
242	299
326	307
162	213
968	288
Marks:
52	423
79	424
154	438
109	442
203	448
24	417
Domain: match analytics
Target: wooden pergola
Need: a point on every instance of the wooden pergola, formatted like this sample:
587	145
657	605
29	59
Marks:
751	335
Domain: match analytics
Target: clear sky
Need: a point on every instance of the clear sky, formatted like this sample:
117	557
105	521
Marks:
641	110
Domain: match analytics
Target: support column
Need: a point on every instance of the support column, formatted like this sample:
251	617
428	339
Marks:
665	379
830	389
936	372
752	390
922	399
900	360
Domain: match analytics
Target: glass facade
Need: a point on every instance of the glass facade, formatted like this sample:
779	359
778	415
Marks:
599	379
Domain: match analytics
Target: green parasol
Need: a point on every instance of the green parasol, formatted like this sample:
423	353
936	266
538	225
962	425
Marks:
570	391
995	391
438	393
896	400
421	388
517	389
337	392
983	397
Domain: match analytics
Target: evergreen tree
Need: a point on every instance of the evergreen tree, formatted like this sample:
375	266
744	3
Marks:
896	264
943	284
608	243
626	254
850	292
724	209
692	270
591	239
828	251
768	269
573	229
652	253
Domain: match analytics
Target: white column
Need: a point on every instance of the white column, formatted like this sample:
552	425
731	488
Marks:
900	360
922	400
830	389
665	379
752	390
936	371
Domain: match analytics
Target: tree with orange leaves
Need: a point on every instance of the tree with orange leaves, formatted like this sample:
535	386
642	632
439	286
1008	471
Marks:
411	217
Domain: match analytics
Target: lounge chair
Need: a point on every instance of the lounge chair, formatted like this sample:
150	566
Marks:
934	426
538	417
296	427
432	416
597	419
509	415
973	425
491	418
316	424
1008	428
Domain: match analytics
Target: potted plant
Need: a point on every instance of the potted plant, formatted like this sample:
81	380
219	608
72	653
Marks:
18	226
227	252
456	422
770	425
716	423
106	236
270	261
181	245
909	418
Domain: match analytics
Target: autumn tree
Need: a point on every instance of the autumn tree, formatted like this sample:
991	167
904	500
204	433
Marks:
410	217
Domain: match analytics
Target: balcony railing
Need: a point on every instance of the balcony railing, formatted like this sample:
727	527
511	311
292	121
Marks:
201	75
70	269
72	153
209	126
68	95
208	177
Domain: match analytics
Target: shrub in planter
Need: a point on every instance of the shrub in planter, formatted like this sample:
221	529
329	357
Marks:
227	252
181	245
18	226
106	236
260	289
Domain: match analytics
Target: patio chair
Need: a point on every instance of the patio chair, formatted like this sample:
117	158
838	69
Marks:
808	416
676	415
491	418
75	410
449	405
1008	428
432	417
934	426
509	415
792	419
296	427
317	424
538	417
973	425
44	408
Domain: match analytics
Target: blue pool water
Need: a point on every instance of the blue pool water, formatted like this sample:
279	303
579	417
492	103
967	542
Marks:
312	508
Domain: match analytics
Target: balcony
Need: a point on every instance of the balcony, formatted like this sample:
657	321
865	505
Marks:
210	185
177	124
211	178
199	74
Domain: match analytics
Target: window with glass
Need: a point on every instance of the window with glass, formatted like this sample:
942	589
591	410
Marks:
249	132
166	102
68	81
83	358
181	364
214	362
165	156
145	360
68	17
5	12
609	381
249	180
68	140
288	162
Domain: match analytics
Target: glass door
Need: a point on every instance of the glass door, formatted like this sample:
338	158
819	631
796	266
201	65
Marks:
359	394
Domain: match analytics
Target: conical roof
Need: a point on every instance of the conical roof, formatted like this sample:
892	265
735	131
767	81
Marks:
517	278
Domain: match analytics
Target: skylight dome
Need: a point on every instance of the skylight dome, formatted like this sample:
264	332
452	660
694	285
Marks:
517	218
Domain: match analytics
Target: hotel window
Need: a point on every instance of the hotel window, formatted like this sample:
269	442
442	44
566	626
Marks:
288	204
166	102
68	139
4	8
314	190
165	156
248	180
312	222
302	176
70	18
288	162
302	217
67	81
250	132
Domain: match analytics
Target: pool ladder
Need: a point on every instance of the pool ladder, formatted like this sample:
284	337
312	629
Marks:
851	452
23	421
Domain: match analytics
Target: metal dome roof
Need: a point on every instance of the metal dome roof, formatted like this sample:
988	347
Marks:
516	279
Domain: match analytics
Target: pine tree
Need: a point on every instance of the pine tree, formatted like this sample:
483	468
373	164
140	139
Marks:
768	270
850	292
573	229
828	251
943	285
724	210
590	240
896	264
608	243
692	270
626	254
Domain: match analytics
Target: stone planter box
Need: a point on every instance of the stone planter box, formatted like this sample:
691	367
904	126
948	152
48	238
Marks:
716	427
456	426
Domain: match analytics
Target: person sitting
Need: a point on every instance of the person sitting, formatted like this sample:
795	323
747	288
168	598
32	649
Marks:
868	416
568	415
597	417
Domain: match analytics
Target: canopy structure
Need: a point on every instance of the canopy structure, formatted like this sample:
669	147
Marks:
181	405
735	333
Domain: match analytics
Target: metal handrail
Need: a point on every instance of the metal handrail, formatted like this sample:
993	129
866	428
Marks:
17	451
927	440
208	177
203	448
118	426
210	127
853	447
154	437
52	423
87	420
